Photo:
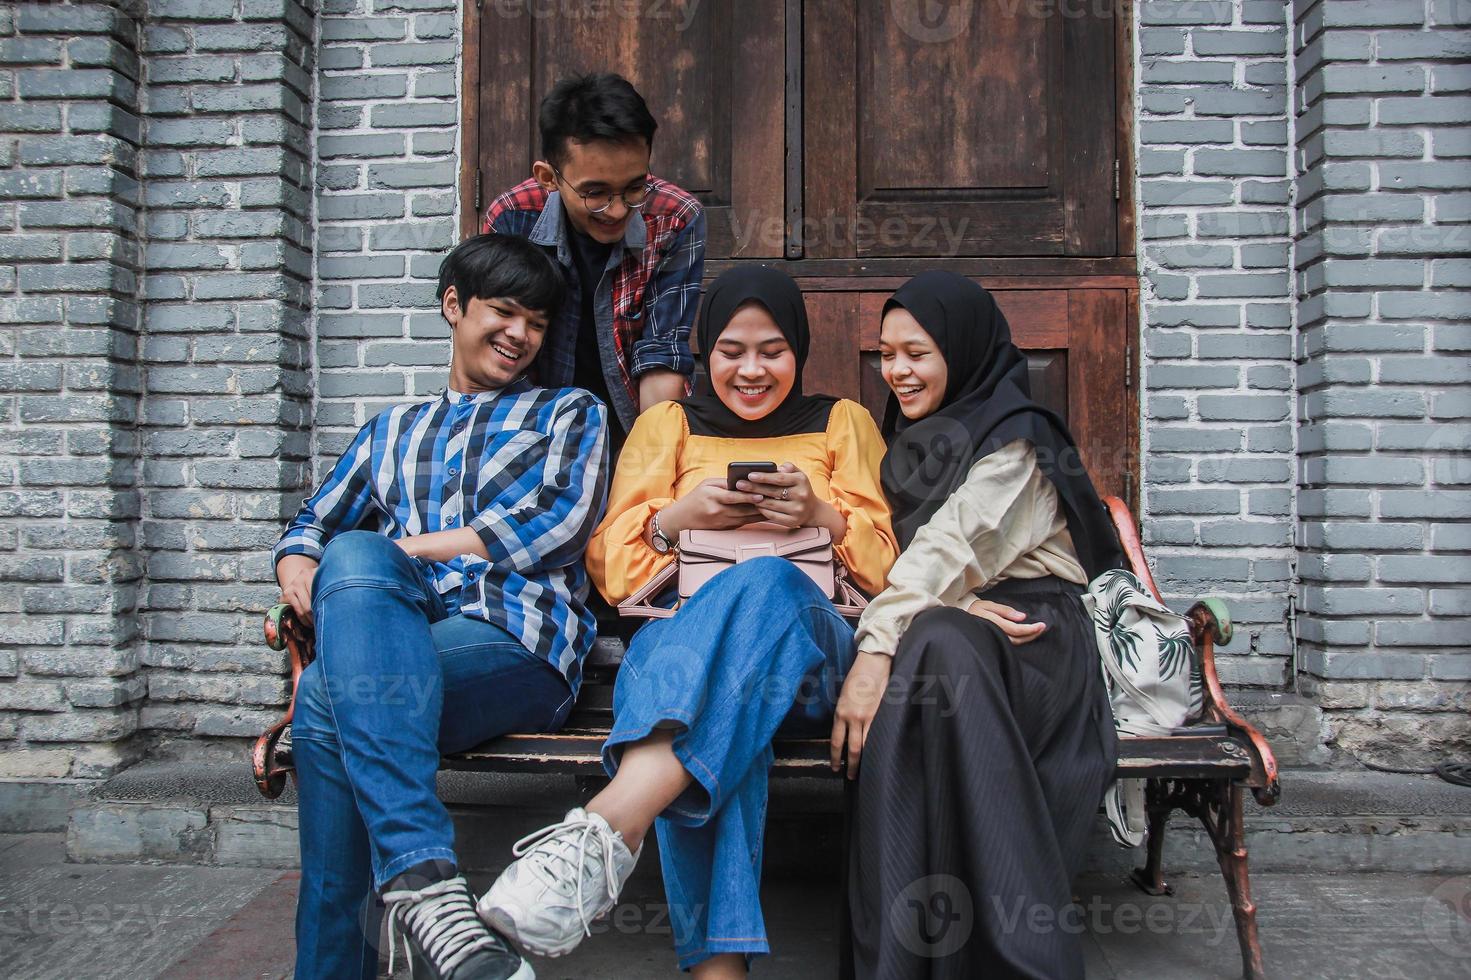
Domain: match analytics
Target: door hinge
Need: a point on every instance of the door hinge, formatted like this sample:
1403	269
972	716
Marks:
477	192
1116	179
1129	485
1128	366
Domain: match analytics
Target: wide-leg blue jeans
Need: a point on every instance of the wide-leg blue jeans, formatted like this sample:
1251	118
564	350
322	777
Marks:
758	650
399	678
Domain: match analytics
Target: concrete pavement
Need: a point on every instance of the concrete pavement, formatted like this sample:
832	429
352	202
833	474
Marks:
61	921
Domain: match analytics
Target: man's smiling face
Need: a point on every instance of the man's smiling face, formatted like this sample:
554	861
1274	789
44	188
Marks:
598	167
494	341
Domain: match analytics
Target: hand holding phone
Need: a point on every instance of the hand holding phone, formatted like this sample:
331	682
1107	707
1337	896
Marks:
736	472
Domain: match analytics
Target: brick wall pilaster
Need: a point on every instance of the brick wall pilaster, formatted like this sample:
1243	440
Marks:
227	114
1383	281
1214	236
70	684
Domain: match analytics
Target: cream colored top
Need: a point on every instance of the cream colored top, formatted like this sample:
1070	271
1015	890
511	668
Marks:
1003	522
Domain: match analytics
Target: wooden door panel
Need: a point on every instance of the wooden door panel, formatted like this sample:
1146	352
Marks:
1038	318
711	74
989	134
1101	408
934	105
833	362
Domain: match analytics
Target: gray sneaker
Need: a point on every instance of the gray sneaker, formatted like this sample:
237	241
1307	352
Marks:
568	875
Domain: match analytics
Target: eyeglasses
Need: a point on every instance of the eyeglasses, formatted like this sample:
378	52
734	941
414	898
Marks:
600	201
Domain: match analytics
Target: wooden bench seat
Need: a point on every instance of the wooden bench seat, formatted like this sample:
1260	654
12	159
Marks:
575	751
1205	775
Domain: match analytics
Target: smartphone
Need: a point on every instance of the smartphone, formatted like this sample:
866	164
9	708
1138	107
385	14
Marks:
736	472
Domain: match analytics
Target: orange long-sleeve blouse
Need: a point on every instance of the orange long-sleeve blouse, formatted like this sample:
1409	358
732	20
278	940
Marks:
662	461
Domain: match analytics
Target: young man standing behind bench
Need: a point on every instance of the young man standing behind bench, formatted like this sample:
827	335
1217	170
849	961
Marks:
631	246
440	564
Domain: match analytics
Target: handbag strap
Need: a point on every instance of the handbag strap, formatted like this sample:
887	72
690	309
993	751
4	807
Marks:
1119	676
848	602
641	604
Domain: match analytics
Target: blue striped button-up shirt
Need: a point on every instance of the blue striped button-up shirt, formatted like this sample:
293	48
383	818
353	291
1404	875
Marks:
525	468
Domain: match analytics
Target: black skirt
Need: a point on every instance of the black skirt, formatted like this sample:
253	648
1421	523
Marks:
979	782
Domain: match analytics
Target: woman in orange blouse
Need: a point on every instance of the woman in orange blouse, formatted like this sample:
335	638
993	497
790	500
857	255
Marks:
757	649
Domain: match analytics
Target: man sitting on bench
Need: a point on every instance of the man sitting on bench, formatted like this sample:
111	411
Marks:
440	564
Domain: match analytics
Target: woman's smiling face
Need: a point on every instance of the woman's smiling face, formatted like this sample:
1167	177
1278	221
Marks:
752	367
911	364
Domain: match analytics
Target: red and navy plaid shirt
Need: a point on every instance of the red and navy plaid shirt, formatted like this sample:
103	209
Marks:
655	288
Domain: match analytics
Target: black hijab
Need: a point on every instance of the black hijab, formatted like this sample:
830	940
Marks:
778	293
987	404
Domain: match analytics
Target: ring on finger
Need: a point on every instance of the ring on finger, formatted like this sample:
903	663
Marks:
786	492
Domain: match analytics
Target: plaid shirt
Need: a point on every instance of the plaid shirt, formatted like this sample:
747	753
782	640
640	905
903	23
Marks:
525	468
644	320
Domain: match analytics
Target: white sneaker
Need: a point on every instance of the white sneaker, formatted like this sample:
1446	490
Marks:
568	875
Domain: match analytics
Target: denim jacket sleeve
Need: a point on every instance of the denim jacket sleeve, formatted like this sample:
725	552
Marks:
509	221
673	298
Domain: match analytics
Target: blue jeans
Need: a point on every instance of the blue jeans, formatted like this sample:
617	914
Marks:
399	678
757	651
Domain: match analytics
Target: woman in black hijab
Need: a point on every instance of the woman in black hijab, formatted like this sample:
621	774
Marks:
759	647
984	766
778	294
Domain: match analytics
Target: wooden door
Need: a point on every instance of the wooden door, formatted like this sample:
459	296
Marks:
965	128
857	143
709	69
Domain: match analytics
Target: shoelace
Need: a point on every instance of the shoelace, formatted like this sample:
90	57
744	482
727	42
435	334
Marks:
550	842
443	916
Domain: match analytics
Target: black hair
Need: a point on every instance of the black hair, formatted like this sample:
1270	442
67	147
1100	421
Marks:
492	265
601	106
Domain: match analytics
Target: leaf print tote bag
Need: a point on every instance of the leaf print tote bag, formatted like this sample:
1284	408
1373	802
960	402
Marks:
1152	676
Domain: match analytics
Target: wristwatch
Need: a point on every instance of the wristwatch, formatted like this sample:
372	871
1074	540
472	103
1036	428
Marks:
661	541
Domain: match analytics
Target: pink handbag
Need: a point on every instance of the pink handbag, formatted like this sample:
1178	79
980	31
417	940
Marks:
705	554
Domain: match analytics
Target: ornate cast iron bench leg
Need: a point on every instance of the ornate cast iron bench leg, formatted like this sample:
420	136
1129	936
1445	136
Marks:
1231	853
1217	804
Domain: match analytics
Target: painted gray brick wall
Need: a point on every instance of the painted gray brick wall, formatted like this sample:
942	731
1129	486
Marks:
227	119
70	676
387	147
1383	282
223	221
1215	231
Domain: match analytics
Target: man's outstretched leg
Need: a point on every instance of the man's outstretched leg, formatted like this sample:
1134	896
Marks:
370	727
